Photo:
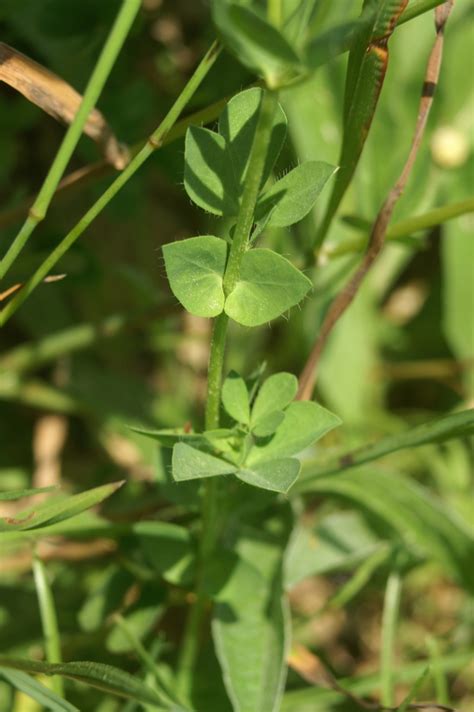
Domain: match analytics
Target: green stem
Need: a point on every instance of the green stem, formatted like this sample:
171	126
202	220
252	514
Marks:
389	626
274	12
49	621
210	509
137	161
112	47
403	228
416	8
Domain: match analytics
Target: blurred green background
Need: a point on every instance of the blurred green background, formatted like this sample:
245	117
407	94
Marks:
120	351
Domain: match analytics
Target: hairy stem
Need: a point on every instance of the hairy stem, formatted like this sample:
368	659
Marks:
93	90
210	509
152	144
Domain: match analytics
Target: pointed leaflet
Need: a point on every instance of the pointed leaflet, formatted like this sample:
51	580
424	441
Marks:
365	75
57	509
195	268
305	422
276	475
268	286
237	125
292	197
208	177
276	393
235	398
191	464
254	41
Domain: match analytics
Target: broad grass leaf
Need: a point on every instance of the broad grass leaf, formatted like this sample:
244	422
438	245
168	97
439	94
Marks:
191	464
291	198
276	392
276	475
235	398
54	510
103	677
421	520
250	630
304	423
237	125
195	268
253	40
208	177
337	543
40	693
268	286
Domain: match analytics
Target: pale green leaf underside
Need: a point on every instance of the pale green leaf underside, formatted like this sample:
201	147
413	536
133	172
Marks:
268	286
276	475
235	398
195	268
190	464
293	196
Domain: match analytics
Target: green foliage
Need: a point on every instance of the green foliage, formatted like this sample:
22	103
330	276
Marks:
250	518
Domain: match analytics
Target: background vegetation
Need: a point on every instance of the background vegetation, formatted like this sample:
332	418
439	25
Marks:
108	347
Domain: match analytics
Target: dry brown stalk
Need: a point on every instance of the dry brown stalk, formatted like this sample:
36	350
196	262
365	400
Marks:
343	300
58	99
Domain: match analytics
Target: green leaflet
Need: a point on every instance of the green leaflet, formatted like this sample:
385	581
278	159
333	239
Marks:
208	177
103	677
215	164
168	548
235	398
254	41
195	268
191	464
364	79
268	286
38	692
276	393
304	423
58	509
140	622
291	198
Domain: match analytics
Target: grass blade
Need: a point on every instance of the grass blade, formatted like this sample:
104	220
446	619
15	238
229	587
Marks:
49	621
38	692
103	677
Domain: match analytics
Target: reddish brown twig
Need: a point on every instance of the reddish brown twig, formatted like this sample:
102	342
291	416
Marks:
377	237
